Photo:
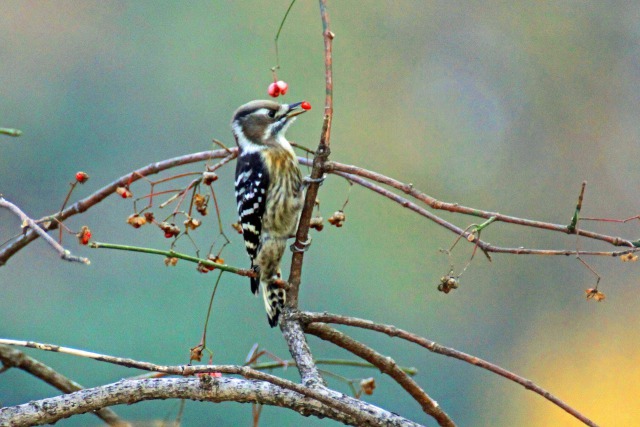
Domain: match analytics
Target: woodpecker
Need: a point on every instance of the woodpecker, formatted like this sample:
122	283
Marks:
269	192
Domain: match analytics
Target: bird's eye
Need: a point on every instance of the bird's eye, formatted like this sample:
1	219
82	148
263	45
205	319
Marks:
272	113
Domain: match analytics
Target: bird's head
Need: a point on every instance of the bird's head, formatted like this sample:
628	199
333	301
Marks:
260	124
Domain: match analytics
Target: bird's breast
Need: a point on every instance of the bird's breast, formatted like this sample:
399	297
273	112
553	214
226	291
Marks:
284	198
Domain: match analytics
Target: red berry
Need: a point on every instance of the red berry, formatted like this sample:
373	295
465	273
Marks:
84	235
305	105
81	177
274	90
283	86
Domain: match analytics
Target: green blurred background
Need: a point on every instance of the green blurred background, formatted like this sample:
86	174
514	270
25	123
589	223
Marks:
504	106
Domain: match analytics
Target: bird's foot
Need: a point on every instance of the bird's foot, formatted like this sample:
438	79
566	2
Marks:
298	246
308	180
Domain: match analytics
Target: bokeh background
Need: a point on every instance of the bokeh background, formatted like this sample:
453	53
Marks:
504	106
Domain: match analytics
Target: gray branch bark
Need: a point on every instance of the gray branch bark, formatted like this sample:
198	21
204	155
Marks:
204	388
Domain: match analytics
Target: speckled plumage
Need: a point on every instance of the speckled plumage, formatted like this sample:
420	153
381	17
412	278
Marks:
268	192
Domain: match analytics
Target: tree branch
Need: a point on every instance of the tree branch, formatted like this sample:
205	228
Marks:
205	388
38	231
362	412
350	170
300	351
95	198
291	329
390	330
386	365
12	358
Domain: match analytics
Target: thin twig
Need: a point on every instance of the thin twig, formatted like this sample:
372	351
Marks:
88	202
487	247
28	222
10	132
173	254
334	362
333	167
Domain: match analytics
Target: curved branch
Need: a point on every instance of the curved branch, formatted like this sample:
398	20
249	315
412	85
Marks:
364	413
390	330
386	365
342	169
10	357
485	246
95	198
37	230
205	388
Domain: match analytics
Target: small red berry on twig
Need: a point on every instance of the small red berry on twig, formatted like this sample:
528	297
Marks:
273	90
305	105
216	259
200	202
209	177
84	235
283	86
170	230
595	294
82	177
124	192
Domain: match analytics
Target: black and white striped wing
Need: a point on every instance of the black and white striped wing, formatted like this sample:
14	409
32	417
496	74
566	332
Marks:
252	182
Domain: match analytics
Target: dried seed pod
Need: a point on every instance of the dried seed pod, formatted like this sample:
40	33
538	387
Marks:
448	283
316	223
192	223
367	385
337	219
136	221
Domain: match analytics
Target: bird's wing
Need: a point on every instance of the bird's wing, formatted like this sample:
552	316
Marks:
252	182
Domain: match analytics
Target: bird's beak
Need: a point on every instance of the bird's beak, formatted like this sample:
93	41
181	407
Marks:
295	110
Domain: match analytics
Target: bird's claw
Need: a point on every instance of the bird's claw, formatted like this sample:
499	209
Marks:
308	180
304	246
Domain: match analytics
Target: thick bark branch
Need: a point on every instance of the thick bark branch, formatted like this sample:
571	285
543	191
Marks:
206	388
10	357
364	413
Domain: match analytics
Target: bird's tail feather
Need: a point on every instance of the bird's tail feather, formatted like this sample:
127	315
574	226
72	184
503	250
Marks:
274	299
